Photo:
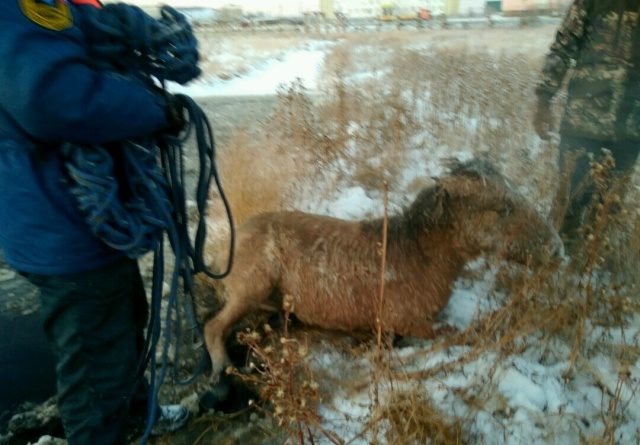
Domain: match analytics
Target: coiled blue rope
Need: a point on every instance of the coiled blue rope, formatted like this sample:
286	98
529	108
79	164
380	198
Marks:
132	225
132	211
126	39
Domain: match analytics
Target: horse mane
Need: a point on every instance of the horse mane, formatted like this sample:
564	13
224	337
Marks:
477	168
429	210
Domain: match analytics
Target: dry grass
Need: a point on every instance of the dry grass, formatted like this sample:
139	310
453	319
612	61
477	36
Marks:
413	419
258	176
531	40
285	381
443	103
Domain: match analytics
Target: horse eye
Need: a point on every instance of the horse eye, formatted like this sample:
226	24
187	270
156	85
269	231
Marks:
505	210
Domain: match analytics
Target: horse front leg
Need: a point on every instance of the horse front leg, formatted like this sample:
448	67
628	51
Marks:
243	292
216	331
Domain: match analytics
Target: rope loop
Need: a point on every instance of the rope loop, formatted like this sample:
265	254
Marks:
125	211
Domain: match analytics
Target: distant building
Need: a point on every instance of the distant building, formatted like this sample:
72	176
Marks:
435	6
374	8
464	7
473	7
514	7
508	7
359	8
494	6
328	8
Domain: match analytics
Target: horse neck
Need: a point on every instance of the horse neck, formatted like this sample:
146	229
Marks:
431	256
432	251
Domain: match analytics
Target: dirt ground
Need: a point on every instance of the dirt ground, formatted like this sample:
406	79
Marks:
229	113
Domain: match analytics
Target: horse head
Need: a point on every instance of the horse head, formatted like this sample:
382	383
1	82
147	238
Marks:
477	211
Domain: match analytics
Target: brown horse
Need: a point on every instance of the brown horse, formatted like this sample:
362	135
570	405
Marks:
331	267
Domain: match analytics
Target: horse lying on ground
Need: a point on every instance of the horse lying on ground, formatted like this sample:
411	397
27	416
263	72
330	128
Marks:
331	267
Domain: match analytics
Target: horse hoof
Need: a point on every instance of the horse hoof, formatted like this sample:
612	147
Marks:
229	395
216	395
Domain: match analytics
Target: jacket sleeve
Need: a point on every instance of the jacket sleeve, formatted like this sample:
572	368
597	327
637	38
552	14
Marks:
565	48
54	95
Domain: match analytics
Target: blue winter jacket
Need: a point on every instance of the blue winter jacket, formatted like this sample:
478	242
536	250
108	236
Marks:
49	95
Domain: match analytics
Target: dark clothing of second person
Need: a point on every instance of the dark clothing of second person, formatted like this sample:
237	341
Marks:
581	188
602	38
598	42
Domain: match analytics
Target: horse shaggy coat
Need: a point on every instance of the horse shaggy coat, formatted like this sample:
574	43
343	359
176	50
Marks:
330	268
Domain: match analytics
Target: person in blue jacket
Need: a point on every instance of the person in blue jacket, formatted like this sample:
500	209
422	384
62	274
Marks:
92	297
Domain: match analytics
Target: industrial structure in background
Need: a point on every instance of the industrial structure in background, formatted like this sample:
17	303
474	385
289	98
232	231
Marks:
405	9
520	7
377	10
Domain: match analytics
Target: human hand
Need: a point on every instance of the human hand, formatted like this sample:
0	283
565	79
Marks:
543	119
174	111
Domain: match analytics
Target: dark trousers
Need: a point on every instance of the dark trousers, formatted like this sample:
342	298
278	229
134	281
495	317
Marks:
579	193
94	322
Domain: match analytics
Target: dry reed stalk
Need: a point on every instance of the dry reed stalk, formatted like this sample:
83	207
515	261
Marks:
378	353
383	266
611	413
590	260
414	420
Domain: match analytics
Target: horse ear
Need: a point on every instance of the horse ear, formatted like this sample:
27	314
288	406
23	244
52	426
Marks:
440	211
431	207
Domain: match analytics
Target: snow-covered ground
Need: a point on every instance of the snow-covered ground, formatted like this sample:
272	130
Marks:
266	76
528	397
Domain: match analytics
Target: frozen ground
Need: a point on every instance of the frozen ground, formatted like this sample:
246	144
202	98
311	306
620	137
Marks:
266	77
